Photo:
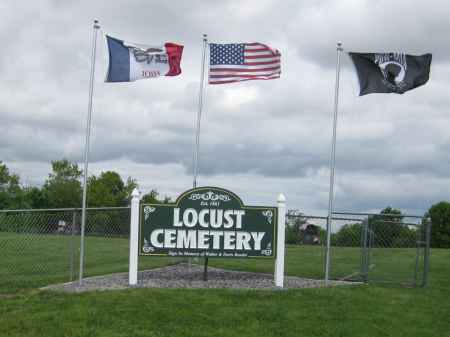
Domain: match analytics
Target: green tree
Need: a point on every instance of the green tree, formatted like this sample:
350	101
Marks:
294	234
440	224
34	197
348	235
11	194
389	230
63	187
109	190
392	213
152	197
323	235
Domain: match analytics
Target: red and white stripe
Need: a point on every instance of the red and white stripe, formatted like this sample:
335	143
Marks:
260	63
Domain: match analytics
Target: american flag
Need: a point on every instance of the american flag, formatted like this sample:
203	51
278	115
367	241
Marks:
235	62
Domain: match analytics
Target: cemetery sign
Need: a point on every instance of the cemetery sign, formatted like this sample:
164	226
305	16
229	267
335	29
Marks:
208	221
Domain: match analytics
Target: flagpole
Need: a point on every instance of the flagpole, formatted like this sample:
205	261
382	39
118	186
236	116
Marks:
197	135
339	49
86	148
199	113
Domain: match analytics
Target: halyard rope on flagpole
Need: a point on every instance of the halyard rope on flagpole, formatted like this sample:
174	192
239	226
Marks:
199	113
339	49
86	149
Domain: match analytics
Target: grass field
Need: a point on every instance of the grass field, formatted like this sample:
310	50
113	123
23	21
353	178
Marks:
369	310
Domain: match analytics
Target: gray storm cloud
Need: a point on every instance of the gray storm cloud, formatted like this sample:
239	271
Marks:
260	138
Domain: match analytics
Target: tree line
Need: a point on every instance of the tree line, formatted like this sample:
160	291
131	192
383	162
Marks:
63	189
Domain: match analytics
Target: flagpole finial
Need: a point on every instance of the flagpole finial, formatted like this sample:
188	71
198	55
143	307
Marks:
96	25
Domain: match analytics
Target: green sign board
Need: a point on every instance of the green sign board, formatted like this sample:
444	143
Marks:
208	221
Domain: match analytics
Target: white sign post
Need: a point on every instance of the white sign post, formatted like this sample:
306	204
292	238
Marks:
279	261
134	237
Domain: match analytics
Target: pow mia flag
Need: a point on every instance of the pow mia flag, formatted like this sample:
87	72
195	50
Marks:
390	72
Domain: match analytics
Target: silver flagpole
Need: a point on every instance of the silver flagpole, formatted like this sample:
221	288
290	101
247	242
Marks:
86	149
332	163
197	136
199	112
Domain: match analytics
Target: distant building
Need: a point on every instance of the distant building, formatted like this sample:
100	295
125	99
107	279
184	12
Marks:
310	234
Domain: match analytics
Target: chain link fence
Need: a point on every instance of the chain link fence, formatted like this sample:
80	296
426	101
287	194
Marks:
396	249
40	247
37	246
366	247
106	243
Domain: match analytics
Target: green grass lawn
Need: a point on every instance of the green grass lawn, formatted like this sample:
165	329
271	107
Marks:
368	310
28	261
33	260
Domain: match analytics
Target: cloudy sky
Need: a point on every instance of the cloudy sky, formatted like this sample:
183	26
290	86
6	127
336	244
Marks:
258	138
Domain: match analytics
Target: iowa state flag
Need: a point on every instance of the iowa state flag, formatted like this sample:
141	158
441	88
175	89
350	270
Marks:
390	72
130	62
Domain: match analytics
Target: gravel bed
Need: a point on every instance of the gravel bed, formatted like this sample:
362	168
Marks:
184	276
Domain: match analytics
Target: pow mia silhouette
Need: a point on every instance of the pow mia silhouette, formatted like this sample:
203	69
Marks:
393	67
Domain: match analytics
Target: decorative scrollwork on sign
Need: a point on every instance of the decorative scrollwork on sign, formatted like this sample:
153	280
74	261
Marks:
268	250
269	215
147	248
209	196
148	210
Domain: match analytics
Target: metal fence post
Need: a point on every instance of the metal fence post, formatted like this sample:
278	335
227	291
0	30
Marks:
416	265
72	244
426	258
364	250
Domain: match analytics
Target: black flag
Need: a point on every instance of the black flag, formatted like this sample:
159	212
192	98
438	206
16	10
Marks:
390	72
